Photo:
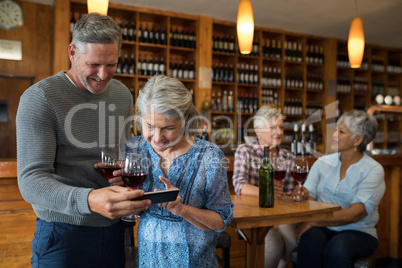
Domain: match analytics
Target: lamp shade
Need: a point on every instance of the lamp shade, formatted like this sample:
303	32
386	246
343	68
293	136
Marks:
245	26
356	43
98	6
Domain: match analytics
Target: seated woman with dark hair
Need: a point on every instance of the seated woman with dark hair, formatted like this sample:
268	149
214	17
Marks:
353	180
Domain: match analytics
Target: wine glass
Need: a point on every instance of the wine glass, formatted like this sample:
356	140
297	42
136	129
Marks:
280	168
109	161
299	172
134	171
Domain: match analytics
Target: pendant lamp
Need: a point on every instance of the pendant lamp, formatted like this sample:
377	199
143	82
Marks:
245	26
356	42
98	6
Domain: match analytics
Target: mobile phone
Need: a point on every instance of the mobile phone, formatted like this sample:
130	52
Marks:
159	196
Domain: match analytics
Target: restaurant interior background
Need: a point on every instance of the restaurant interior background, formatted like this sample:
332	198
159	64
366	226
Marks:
312	58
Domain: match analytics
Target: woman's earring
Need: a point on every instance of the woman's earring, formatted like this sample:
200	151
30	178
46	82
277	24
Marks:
258	137
355	149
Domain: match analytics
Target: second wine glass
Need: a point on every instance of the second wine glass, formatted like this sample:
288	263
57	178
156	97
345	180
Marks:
299	172
109	161
279	168
134	171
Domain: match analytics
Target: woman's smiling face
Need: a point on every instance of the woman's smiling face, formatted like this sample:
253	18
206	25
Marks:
342	139
161	132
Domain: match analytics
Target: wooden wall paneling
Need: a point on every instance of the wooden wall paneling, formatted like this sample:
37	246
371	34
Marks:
62	15
204	55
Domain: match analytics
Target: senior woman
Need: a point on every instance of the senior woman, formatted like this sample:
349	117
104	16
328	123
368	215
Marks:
268	125
354	181
182	233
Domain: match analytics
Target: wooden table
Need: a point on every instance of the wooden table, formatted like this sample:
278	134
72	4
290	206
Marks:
255	222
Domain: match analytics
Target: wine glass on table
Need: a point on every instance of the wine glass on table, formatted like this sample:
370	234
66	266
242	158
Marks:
134	171
279	168
109	160
299	173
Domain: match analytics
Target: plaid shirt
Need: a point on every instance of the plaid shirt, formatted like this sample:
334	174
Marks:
248	159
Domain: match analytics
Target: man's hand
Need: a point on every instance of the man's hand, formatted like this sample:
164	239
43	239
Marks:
114	202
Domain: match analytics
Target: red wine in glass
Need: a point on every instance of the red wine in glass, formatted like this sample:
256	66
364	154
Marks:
301	176
293	172
280	175
107	170
134	181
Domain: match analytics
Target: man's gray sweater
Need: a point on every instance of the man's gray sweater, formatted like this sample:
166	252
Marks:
59	130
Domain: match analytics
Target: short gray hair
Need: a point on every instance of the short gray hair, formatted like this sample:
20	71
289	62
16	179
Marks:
167	96
95	28
361	124
264	114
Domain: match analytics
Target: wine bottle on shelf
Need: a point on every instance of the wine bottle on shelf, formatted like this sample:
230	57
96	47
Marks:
266	182
239	106
145	34
225	101
219	102
272	54
151	35
214	102
295	142
162	66
163	40
256	71
131	69
156	67
139	66
255	103
140	37
278	53
131	32
175	69
311	140
191	72
230	101
125	30
205	135
191	38
126	65
150	66
180	70
232	44
180	38
303	140
175	37
185	69
144	67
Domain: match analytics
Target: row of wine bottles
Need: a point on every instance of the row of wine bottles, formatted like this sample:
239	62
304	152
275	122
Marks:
182	69
306	143
271	76
269	96
223	72
246	102
293	106
152	65
223	43
222	104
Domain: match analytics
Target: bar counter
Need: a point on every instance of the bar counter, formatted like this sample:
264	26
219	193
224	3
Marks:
389	228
